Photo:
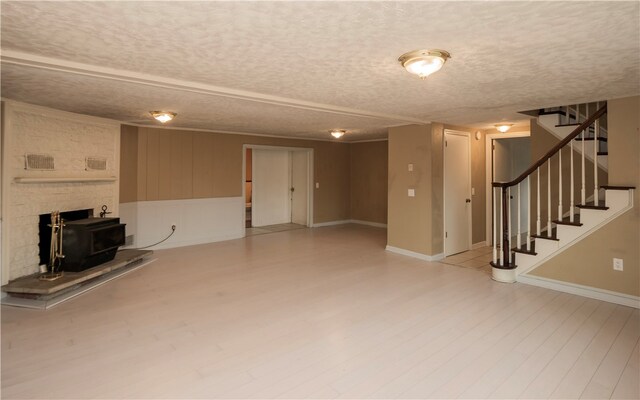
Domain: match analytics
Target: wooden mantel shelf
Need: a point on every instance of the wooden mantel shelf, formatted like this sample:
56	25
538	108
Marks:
47	179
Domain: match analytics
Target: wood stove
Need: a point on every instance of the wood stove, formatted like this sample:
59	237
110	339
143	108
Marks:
90	241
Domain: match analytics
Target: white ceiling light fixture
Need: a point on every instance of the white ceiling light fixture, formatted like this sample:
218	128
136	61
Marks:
503	127
162	116
337	133
424	62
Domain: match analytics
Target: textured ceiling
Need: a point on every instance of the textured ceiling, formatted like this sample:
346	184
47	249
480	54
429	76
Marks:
319	59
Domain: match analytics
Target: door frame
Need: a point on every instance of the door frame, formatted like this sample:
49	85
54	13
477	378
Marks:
310	180
489	137
444	191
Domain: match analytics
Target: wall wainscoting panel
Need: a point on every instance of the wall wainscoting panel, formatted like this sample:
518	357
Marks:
197	221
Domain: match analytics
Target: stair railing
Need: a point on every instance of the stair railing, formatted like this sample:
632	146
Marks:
502	228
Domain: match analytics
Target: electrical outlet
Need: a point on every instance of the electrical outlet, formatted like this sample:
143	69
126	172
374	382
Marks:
173	227
411	193
618	264
410	167
317	185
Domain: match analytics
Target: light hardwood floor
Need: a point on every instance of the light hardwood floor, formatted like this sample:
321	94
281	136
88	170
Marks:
318	313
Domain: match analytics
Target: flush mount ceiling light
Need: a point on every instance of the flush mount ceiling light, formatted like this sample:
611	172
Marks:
337	133
162	116
424	62
503	127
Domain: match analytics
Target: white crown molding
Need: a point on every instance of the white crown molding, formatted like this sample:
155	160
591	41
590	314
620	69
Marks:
178	128
369	140
12	57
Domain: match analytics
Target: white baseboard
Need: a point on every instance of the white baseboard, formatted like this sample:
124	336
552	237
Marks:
369	223
479	245
420	256
349	221
581	290
331	223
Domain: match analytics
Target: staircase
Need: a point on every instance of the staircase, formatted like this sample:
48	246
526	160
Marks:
562	121
567	194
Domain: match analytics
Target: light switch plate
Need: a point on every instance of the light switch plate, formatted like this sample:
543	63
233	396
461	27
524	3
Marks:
317	185
411	193
410	167
618	264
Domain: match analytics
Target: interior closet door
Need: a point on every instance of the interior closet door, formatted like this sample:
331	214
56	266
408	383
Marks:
299	186
271	192
457	193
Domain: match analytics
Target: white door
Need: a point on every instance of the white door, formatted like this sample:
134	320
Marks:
457	193
299	186
271	202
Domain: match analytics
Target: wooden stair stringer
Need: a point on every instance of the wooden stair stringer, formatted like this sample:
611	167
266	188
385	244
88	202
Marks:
618	202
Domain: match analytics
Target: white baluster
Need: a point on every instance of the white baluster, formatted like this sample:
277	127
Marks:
538	205
572	188
583	190
528	212
502	261
549	197
595	160
518	241
509	230
559	184
495	228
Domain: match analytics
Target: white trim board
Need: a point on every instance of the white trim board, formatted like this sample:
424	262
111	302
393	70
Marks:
13	57
330	223
349	221
368	223
413	254
583	236
479	245
581	290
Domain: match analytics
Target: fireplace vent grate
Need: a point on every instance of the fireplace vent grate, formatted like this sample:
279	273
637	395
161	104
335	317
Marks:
39	161
93	163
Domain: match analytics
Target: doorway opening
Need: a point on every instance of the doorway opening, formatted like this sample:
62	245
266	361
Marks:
457	192
277	188
507	157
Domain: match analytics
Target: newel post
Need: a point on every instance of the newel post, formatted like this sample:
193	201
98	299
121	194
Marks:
506	257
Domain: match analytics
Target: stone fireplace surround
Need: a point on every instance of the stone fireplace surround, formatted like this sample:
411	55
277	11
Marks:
70	139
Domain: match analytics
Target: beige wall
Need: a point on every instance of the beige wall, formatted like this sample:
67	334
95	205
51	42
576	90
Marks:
128	163
436	210
589	262
417	223
409	219
369	170
178	164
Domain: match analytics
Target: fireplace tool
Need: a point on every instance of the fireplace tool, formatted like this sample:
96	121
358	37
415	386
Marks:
55	252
